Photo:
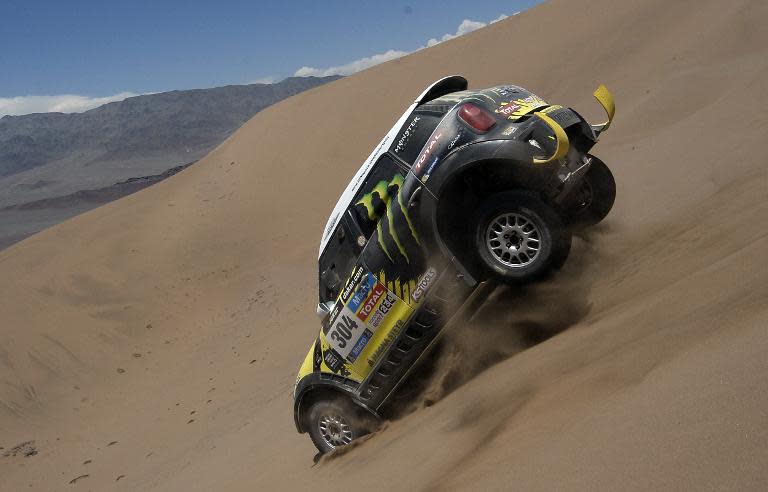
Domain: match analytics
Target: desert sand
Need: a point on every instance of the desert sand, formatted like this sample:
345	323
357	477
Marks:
152	343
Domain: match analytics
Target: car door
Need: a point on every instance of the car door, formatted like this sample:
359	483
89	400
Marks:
393	251
359	223
374	302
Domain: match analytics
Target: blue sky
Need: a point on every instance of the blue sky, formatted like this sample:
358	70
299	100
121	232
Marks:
99	49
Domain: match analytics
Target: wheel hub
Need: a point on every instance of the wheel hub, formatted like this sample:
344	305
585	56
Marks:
513	240
335	430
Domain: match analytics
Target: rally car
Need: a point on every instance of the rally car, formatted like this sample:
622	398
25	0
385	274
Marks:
468	186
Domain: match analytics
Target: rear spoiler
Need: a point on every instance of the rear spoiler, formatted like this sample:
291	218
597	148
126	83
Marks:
441	87
605	98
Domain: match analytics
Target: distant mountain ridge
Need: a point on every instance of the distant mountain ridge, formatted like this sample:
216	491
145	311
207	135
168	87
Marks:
51	154
55	165
98	196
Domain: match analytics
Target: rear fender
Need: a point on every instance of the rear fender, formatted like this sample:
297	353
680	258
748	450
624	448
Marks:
509	164
514	159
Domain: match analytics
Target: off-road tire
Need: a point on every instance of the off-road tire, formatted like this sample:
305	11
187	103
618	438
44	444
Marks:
554	239
594	198
349	421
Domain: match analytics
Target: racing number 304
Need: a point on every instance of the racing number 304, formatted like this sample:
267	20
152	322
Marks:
342	332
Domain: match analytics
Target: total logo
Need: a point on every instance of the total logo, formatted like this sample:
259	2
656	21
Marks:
426	152
370	303
508	109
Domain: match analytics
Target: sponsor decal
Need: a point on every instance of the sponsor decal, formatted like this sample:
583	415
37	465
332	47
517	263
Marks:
330	226
505	90
563	116
386	200
381	312
519	107
509	130
550	109
508	109
393	333
407	135
360	345
429	170
424	283
453	142
361	293
426	152
344	333
352	282
370	303
333	360
317	355
532	100
331	319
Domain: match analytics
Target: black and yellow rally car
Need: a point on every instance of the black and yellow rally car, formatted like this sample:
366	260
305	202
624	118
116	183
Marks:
467	186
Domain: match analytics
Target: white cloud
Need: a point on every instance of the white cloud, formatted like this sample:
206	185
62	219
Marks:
351	67
62	103
466	26
263	80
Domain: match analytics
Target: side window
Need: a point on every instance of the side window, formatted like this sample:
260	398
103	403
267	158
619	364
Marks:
358	225
337	260
380	186
414	134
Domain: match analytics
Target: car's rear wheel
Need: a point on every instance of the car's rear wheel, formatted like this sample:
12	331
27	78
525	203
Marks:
336	422
593	199
519	238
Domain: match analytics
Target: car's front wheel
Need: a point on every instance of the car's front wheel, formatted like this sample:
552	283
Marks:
336	422
519	238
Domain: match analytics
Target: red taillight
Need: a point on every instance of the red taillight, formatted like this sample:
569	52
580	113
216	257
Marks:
476	117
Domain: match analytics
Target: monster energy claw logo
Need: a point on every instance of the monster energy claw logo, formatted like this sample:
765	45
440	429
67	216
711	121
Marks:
384	204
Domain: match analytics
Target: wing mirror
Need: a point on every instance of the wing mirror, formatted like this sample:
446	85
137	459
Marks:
324	308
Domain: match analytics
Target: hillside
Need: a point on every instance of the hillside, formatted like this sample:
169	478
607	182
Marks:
52	154
24	219
152	343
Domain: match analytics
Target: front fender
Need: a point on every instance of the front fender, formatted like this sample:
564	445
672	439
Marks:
320	381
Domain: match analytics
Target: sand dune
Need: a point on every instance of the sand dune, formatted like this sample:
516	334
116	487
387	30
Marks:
152	344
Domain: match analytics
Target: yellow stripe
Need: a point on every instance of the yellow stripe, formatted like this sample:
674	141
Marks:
393	232
407	218
562	140
380	232
605	98
367	199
